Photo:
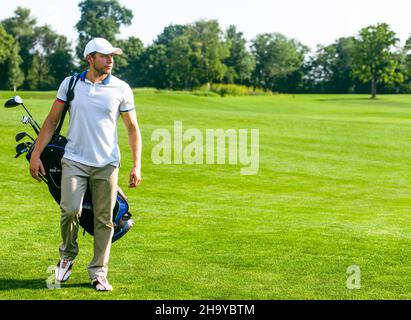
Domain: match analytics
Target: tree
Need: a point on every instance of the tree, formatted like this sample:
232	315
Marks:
52	60
154	67
36	74
170	33
176	57
277	59
183	57
60	60
100	18
405	66
331	68
15	75
375	60
209	50
240	63
128	65
181	72
6	44
21	27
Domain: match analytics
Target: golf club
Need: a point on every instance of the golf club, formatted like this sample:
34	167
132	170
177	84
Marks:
23	145
21	152
27	120
17	101
22	148
21	135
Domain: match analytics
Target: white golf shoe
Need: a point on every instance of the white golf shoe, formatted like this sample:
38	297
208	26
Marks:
100	283
63	270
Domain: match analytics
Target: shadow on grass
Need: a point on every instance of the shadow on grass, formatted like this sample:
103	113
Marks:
78	285
13	284
348	99
35	284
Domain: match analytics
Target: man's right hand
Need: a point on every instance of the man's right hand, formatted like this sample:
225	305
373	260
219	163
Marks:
36	166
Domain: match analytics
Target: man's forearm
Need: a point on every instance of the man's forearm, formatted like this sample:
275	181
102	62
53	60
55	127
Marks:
45	135
135	142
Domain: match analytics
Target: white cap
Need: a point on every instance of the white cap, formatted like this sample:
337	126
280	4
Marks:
102	46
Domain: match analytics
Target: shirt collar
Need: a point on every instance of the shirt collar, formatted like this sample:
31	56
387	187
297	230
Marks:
106	81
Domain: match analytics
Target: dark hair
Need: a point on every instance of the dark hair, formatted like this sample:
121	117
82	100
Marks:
92	54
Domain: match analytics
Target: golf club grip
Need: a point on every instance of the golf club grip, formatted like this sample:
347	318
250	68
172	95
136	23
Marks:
43	178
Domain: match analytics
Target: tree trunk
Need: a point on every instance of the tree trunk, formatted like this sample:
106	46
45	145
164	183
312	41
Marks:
14	88
373	87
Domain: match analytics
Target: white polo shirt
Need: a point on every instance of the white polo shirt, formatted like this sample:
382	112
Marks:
94	111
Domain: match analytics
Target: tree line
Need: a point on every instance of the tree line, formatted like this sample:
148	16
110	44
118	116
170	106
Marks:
185	57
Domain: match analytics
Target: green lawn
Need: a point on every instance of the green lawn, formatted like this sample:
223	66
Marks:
333	190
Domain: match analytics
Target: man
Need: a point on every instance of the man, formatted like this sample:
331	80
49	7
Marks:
91	156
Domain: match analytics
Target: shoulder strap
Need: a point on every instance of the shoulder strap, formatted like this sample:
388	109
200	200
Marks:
70	96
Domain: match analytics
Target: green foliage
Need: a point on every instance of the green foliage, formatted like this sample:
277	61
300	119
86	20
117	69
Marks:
6	44
15	77
128	65
154	67
198	54
38	75
180	55
102	19
208	51
331	68
204	92
22	27
183	57
52	60
240	62
170	33
223	90
405	67
374	59
277	58
176	56
60	60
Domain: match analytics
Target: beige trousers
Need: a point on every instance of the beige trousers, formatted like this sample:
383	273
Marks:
103	186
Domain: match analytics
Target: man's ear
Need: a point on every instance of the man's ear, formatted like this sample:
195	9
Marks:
89	58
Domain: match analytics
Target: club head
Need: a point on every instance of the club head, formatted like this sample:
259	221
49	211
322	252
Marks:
13	102
28	120
25	120
21	135
21	152
23	147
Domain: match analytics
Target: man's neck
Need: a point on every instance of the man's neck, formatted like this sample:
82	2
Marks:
95	77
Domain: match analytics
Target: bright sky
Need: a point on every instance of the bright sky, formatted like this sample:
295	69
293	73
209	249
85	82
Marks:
310	21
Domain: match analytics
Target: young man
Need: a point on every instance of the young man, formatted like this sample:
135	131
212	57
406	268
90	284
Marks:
91	156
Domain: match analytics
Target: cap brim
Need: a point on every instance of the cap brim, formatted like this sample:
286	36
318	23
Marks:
116	51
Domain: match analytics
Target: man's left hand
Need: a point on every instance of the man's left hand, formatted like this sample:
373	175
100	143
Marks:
135	178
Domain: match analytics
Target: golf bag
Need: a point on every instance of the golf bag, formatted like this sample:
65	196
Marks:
51	159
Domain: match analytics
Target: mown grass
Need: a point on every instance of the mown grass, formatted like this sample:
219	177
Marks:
333	190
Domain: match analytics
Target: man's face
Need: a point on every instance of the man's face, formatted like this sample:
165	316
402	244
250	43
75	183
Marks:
102	63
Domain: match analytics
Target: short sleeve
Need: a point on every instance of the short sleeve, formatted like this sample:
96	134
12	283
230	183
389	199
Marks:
62	92
127	104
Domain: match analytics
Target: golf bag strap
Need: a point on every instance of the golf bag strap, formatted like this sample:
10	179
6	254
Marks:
70	96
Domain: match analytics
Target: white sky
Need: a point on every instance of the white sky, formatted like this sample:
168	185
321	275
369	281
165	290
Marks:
310	21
